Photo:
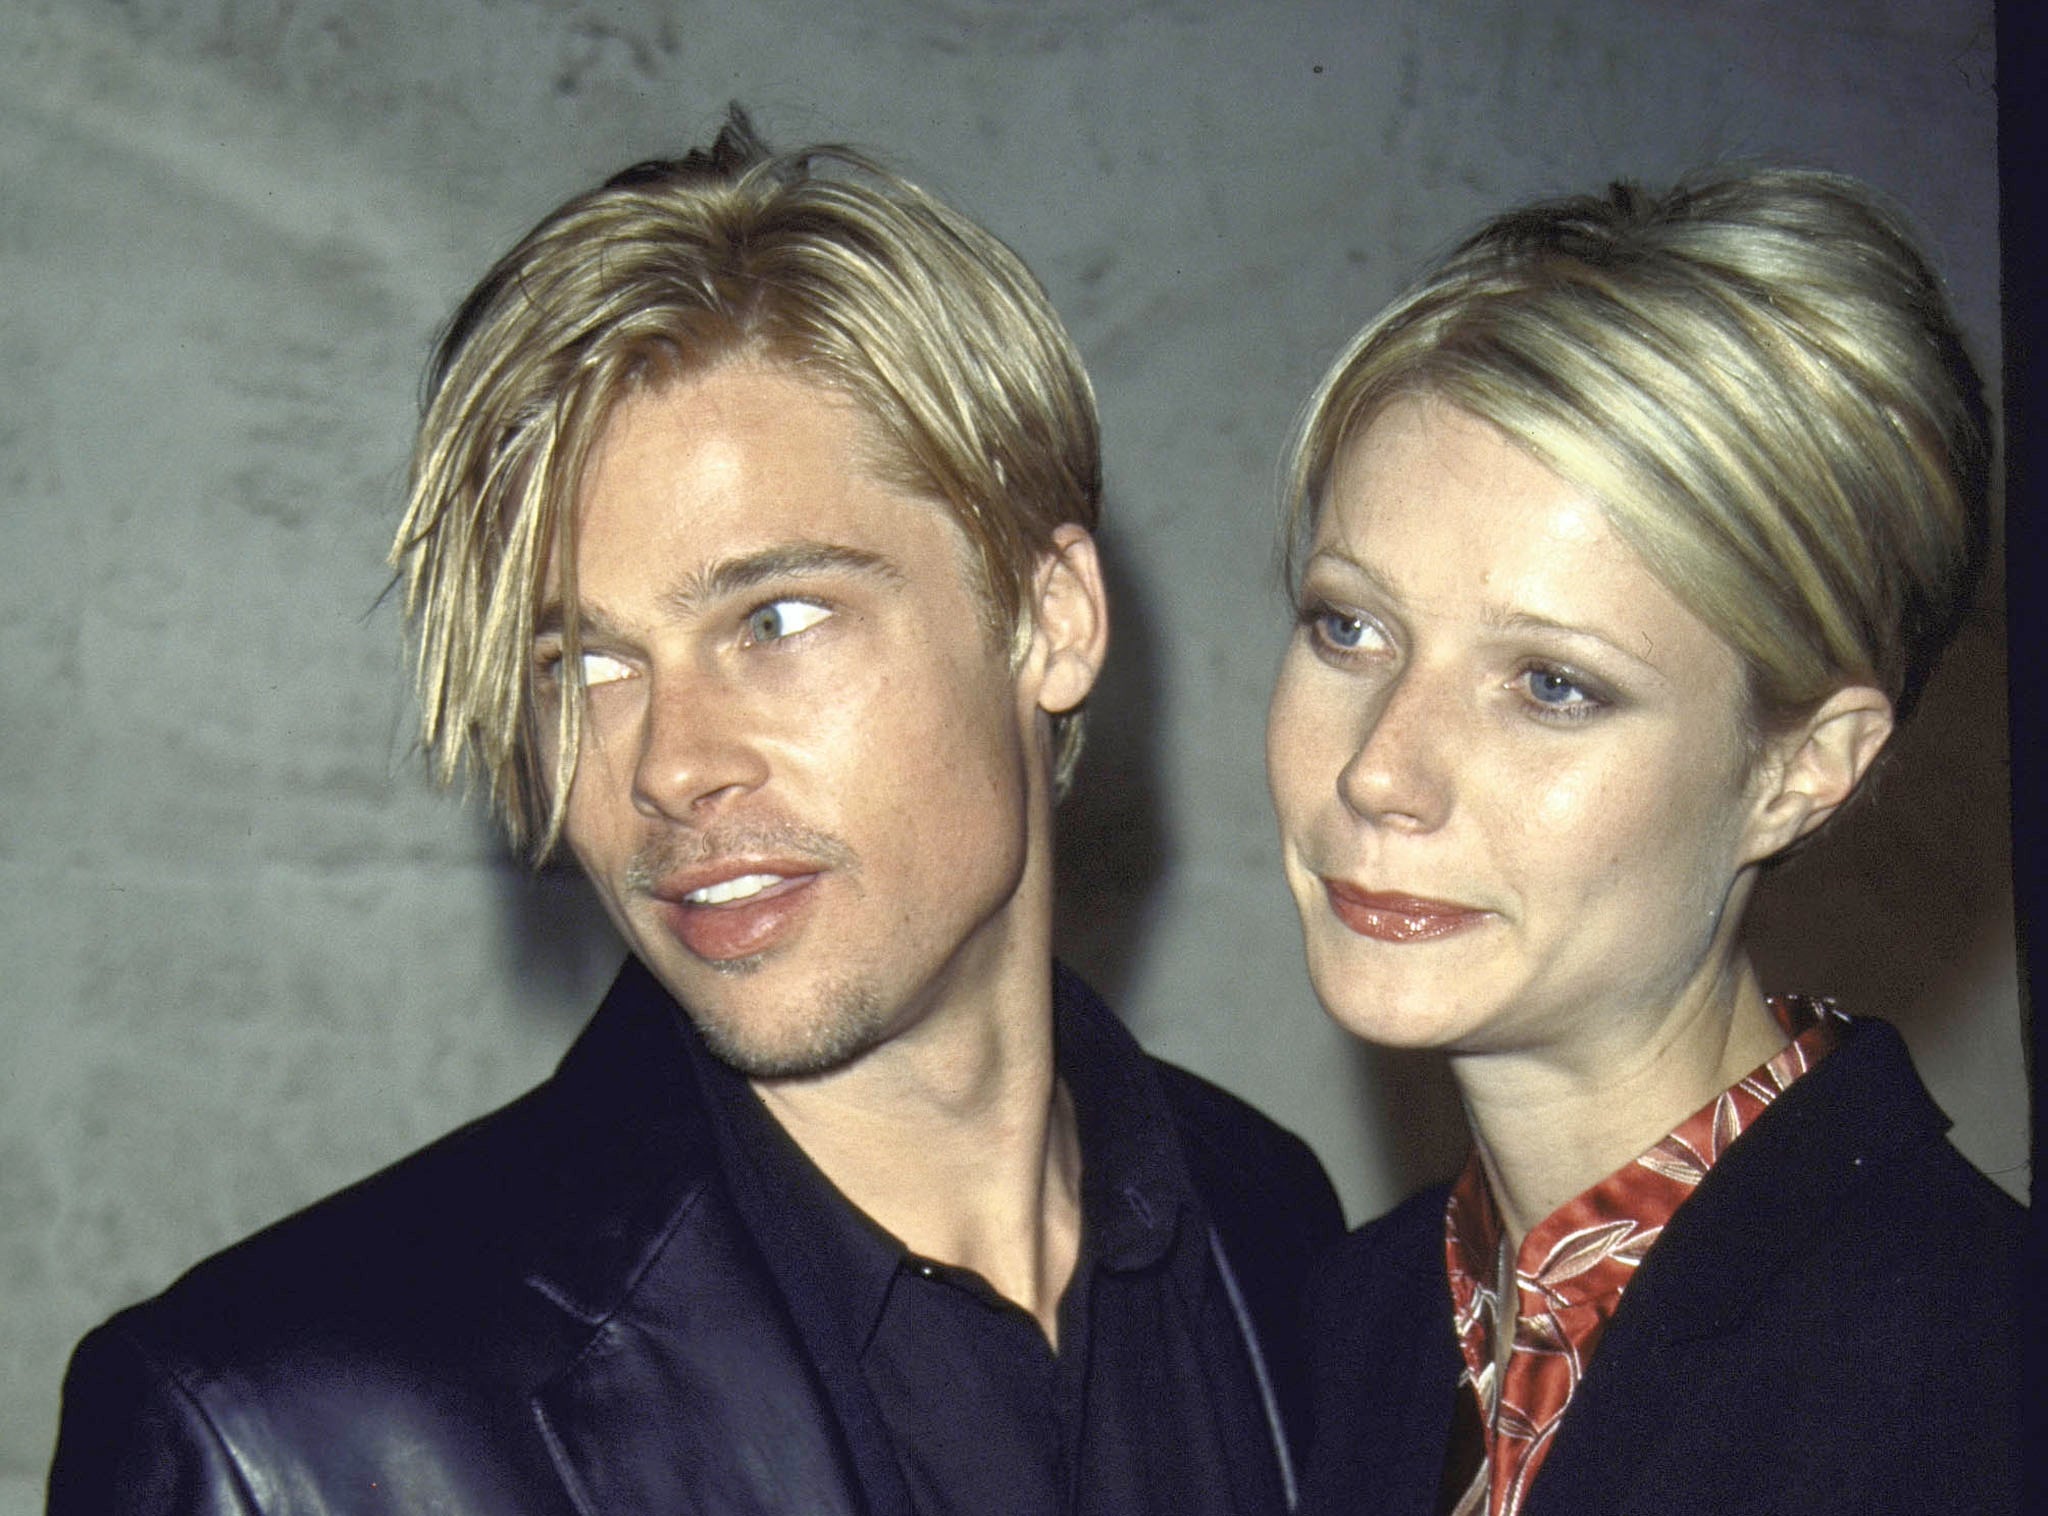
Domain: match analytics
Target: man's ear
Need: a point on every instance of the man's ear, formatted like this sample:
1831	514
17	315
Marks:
1069	621
1813	769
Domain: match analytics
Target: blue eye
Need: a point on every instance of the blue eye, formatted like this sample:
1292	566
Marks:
782	618
551	669
1556	692
1340	631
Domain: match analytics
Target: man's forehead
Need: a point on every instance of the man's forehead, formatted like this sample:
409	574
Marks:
729	479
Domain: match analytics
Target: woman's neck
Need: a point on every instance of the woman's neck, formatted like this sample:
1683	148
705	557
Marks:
1550	1125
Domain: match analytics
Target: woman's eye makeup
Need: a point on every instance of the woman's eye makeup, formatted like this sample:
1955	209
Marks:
777	619
1338	631
1558	694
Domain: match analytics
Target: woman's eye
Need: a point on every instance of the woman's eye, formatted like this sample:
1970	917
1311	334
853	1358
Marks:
1557	692
1340	631
782	618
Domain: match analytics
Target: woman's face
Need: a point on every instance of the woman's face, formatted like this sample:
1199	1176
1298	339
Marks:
1509	765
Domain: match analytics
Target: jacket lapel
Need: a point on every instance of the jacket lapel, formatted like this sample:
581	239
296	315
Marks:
695	1394
692	1390
1760	1210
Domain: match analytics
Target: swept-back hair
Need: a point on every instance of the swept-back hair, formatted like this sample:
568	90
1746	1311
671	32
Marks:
1757	376
818	261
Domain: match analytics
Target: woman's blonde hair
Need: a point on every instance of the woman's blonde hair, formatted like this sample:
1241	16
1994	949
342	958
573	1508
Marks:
817	260
1758	377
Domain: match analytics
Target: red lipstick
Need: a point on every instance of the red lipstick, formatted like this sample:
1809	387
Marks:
1398	918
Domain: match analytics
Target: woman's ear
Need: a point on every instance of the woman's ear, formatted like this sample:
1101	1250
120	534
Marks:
1069	621
1810	772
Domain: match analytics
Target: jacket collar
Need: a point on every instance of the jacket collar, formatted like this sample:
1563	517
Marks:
693	1389
1756	1213
1860	1108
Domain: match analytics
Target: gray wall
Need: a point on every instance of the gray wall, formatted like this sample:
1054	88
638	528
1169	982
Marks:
247	956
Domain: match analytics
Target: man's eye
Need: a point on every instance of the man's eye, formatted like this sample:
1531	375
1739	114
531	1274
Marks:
782	618
602	668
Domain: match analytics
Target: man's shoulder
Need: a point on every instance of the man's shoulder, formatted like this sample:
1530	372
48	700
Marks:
1250	1171
1212	1118
1386	1269
455	1244
397	1308
392	1265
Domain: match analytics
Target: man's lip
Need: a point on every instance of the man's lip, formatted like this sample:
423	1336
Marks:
738	929
1395	916
734	929
676	888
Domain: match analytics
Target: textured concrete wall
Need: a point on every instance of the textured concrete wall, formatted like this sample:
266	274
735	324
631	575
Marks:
246	956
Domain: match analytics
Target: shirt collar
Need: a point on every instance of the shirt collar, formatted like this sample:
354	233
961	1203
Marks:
1570	1272
1134	1185
1473	1222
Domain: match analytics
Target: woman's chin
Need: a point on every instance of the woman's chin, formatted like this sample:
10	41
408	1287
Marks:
1406	1022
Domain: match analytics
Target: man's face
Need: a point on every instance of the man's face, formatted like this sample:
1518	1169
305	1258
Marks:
810	792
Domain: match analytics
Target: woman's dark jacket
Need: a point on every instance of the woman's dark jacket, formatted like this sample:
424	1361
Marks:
1829	1324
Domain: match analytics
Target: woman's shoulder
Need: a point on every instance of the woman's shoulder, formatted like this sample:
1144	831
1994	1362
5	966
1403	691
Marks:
1864	1124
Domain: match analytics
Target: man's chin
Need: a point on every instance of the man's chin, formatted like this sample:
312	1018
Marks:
843	1027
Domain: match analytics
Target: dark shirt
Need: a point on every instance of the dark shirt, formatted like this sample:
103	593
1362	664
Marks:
983	1416
563	1306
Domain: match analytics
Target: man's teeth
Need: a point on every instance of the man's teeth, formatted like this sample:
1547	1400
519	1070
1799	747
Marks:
728	890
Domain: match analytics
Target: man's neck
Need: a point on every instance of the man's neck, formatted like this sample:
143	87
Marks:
959	1140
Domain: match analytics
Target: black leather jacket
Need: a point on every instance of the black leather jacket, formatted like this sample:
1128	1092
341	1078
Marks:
557	1309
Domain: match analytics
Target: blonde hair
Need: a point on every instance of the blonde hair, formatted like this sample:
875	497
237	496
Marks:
1758	377
817	260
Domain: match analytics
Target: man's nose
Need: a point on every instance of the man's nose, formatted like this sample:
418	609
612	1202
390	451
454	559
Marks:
698	745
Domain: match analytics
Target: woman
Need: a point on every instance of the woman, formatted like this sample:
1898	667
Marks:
1621	544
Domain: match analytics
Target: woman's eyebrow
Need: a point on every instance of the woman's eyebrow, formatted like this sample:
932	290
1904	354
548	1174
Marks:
1353	565
1505	619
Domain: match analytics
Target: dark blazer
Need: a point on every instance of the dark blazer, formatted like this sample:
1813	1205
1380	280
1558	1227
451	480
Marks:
557	1309
1829	1324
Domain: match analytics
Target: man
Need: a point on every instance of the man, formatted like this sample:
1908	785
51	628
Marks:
749	555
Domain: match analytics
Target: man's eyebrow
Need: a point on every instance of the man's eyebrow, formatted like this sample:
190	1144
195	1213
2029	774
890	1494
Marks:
733	576
789	560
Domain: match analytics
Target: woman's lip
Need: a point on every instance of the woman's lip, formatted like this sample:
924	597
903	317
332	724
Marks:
735	929
1391	917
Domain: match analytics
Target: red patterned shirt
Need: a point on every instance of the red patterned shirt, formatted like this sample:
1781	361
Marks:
1573	1266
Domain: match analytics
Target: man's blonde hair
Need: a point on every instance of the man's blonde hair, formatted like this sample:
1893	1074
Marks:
1757	376
818	261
